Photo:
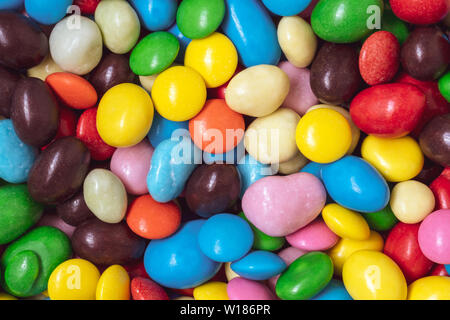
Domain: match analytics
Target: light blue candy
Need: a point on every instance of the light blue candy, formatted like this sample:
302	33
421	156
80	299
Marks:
251	171
335	290
156	15
168	176
314	168
16	158
447	268
47	11
286	7
162	129
252	31
225	237
355	184
177	261
259	265
10	4
182	39
230	157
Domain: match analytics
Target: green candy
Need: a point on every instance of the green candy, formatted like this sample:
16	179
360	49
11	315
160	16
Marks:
197	19
444	86
394	25
28	262
18	212
344	21
154	53
262	241
305	277
382	220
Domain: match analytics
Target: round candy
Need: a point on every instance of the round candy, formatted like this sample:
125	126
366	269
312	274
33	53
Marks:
262	241
323	135
146	289
391	23
441	190
430	288
179	93
153	220
214	57
382	220
76	47
197	19
10	4
124	115
411	201
244	289
40	10
294	165
345	223
74	279
372	275
286	7
8	82
434	235
74	211
87	6
259	265
420	11
213	290
335	290
163	129
156	14
114	284
434	142
444	86
225	237
316	236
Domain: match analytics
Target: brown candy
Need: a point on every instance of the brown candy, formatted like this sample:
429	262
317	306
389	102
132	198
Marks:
112	70
425	55
8	81
212	189
335	76
106	243
34	112
429	172
434	140
59	171
74	211
22	43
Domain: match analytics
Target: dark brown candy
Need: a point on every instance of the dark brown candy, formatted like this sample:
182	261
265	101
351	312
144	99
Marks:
335	76
107	243
59	171
425	53
212	189
429	172
34	112
112	70
22	43
434	140
74	211
8	81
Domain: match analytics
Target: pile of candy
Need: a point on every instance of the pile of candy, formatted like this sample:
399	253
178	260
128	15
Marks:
224	149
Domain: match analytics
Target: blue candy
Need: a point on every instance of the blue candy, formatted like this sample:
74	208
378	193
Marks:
447	268
259	265
47	11
335	290
286	7
16	158
230	157
355	184
182	39
10	4
314	168
156	15
177	261
162	129
252	31
168	176
225	237
251	171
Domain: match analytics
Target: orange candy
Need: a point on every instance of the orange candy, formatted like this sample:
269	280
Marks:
217	128
73	90
153	220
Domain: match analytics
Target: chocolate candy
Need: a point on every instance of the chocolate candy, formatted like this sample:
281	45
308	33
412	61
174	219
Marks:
74	211
434	140
107	244
59	171
335	74
22	44
34	112
8	81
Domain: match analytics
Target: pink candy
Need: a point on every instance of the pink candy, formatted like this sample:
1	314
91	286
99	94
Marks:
316	236
434	236
244	289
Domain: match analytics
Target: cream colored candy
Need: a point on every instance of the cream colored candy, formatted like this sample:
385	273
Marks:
411	201
271	139
257	91
229	273
76	45
105	195
44	69
297	40
293	165
119	25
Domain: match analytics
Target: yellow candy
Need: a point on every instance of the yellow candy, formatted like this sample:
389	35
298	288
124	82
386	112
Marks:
74	279
346	247
396	159
114	284
372	275
5	296
411	201
213	290
345	223
323	135
179	93
430	288
229	273
125	115
214	57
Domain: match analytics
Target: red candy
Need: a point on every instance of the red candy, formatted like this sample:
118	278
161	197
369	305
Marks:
136	270
439	270
388	110
87	132
87	6
441	190
146	289
379	58
219	92
420	11
402	246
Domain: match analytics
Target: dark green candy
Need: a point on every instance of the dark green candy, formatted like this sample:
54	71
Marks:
444	86
382	220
